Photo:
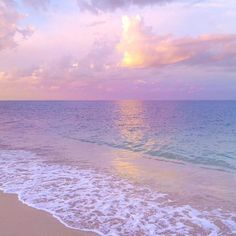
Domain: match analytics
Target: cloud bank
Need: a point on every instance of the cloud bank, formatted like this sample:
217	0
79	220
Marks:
89	56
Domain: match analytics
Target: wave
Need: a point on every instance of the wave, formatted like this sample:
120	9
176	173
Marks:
95	200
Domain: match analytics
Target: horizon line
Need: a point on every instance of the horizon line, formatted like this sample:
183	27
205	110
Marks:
112	100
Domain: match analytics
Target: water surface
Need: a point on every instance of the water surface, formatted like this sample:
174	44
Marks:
124	167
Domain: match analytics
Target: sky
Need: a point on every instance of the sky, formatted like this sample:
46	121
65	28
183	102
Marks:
117	49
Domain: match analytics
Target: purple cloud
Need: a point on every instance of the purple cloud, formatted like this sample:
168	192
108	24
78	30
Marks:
9	30
97	6
37	3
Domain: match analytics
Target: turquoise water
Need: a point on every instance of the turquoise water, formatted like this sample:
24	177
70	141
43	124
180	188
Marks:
197	132
93	165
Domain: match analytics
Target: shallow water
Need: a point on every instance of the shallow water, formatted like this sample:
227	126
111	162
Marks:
196	132
124	168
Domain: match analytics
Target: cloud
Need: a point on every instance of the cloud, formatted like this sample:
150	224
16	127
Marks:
37	3
65	70
96	23
97	6
9	30
142	48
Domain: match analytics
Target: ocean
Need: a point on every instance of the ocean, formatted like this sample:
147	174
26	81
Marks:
124	167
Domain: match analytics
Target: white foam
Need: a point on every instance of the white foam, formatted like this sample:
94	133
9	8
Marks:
91	200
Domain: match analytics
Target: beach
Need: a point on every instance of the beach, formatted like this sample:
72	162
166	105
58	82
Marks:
121	172
19	219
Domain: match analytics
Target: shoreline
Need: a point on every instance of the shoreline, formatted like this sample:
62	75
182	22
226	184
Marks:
17	218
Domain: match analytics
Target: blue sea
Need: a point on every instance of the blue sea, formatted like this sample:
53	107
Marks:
124	167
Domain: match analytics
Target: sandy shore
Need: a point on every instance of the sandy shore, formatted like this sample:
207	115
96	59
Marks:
18	219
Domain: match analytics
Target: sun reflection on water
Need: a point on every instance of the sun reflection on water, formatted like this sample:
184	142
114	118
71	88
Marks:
131	122
131	126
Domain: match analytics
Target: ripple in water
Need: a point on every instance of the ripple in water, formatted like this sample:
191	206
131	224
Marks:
91	200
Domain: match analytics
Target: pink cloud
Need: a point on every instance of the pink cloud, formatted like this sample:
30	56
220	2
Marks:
57	63
9	29
142	48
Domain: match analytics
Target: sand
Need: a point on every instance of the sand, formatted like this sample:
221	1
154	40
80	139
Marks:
18	219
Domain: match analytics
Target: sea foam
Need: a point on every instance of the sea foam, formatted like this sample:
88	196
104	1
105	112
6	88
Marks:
90	199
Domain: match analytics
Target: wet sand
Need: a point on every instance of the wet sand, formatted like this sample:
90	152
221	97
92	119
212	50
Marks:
19	219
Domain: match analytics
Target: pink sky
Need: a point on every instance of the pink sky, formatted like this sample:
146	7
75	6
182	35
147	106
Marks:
111	49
